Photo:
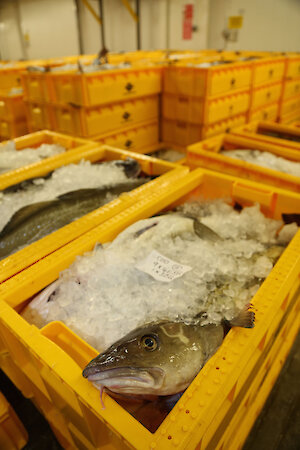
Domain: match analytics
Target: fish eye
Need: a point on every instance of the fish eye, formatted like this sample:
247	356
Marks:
149	343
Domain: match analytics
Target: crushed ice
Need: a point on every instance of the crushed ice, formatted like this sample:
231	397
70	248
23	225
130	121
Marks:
65	179
103	295
266	159
168	155
11	158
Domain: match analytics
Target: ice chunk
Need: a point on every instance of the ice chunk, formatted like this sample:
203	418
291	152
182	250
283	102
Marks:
103	295
10	158
266	159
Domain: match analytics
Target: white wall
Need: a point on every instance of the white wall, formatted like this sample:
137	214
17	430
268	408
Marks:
50	25
52	30
268	24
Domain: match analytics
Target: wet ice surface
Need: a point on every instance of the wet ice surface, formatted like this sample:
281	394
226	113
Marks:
10	158
103	295
65	179
168	155
266	159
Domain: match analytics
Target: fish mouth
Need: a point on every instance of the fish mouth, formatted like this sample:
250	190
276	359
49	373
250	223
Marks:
129	380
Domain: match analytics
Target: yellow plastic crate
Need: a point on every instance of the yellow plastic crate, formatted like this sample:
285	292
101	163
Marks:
235	435
141	138
12	107
49	361
293	66
296	124
269	112
91	122
290	88
288	119
12	129
10	75
34	140
98	88
32	253
204	111
290	106
267	70
271	133
184	79
184	133
36	86
164	146
13	435
265	95
39	116
206	154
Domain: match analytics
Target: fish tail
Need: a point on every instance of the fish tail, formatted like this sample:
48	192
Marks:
244	319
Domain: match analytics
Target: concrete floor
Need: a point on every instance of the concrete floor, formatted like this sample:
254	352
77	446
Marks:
277	427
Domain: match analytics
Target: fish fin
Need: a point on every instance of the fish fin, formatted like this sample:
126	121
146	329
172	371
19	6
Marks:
142	230
244	319
204	232
130	166
290	218
80	193
23	214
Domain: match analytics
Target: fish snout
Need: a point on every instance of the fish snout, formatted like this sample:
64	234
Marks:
131	167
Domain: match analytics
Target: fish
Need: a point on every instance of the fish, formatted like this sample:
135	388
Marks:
32	222
162	358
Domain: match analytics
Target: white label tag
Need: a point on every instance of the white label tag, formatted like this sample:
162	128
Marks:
162	268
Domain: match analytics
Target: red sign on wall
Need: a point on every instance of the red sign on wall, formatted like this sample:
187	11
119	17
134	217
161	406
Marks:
187	25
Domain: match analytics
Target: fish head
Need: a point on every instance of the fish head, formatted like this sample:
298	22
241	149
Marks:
130	166
157	359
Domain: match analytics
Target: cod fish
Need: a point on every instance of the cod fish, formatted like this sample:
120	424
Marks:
32	222
160	359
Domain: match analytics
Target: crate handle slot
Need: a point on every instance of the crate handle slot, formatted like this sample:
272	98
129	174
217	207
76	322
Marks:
230	108
265	115
129	86
128	143
271	72
232	82
126	115
268	94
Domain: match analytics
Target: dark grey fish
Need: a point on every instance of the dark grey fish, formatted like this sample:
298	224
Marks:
160	358
35	221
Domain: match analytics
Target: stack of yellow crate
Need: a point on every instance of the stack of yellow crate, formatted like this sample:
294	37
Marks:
290	101
268	73
204	98
12	111
115	106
